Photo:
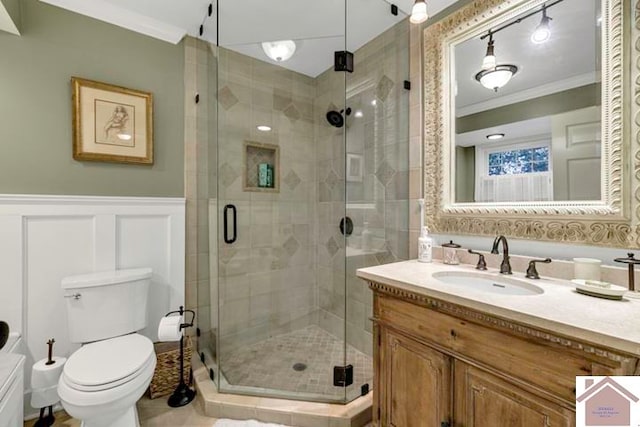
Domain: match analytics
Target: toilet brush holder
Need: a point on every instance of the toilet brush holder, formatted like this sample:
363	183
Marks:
183	394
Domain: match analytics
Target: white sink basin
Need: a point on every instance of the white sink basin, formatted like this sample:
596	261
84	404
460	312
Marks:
484	282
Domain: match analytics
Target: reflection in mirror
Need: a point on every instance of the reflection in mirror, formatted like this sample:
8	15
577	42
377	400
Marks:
527	99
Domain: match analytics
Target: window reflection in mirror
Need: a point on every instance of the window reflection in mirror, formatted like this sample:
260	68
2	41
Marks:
536	137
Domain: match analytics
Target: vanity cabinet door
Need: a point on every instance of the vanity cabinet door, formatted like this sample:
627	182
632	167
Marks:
415	383
484	400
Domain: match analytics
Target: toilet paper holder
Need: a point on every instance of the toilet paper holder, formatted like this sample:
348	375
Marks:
181	312
182	395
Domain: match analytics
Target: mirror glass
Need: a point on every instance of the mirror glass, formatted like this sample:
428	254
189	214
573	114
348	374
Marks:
528	118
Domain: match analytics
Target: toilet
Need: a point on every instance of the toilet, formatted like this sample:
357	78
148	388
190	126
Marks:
102	381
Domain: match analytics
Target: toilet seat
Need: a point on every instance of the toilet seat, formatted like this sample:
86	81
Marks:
88	404
106	364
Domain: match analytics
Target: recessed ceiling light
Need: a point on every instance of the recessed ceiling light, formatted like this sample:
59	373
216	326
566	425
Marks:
494	136
359	113
374	102
264	128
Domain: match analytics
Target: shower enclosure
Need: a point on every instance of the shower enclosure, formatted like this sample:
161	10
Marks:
307	171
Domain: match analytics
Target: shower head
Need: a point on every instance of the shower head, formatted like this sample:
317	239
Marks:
336	119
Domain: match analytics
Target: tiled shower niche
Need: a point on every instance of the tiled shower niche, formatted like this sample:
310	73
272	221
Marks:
255	154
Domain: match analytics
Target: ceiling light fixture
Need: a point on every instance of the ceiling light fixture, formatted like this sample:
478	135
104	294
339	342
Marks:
496	77
374	102
263	128
280	50
495	136
419	12
543	30
489	60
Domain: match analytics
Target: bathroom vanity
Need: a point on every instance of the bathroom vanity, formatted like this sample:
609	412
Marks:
11	382
447	352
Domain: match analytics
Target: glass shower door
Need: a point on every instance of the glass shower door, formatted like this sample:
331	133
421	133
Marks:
281	286
377	174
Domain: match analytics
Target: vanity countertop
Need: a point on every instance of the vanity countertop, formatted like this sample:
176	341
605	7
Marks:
560	309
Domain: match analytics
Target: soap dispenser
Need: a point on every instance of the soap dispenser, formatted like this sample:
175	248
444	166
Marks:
425	246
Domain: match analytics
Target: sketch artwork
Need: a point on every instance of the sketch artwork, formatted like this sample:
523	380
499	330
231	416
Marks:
114	123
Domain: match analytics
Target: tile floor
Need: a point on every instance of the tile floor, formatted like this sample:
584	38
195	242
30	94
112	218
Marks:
269	364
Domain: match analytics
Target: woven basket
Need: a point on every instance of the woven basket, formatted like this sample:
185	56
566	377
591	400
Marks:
167	374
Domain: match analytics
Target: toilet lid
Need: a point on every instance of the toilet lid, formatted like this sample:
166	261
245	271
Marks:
109	360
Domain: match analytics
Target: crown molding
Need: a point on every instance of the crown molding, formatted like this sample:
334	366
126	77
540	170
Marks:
112	14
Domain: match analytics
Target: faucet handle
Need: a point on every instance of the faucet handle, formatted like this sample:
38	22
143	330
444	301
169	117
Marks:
482	264
532	273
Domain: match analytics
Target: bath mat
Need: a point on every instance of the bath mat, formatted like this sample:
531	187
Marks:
247	423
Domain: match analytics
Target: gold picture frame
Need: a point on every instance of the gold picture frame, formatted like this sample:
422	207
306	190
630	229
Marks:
111	123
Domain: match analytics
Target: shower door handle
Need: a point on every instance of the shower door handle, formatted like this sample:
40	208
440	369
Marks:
229	240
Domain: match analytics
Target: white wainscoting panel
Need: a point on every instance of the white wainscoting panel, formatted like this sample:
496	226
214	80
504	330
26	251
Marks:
54	247
46	238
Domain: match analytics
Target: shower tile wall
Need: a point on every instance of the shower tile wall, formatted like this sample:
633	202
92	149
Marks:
267	278
287	270
381	138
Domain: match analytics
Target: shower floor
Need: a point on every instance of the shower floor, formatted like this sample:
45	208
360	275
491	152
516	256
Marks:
269	364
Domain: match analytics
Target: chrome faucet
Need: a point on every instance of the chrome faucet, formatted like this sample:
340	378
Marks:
505	266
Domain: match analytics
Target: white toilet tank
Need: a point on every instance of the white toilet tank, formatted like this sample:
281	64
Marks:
105	305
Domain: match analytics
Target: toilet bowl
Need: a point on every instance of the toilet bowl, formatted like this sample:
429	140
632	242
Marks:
102	381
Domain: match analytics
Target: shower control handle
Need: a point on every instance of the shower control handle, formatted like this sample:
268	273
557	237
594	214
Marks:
229	240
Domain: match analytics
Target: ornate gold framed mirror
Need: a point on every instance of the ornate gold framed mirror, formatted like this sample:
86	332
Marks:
526	128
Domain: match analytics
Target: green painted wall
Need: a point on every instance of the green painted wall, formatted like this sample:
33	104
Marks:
465	174
548	105
35	104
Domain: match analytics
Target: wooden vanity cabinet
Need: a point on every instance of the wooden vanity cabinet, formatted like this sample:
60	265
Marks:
416	380
485	400
441	364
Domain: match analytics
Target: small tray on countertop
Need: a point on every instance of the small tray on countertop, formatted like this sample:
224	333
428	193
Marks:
611	291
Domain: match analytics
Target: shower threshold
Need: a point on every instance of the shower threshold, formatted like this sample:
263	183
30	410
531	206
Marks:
356	413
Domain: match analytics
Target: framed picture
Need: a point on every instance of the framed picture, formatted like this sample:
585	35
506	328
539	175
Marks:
111	123
355	164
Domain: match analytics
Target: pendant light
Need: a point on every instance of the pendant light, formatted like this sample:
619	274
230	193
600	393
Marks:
280	50
419	12
543	30
489	60
496	77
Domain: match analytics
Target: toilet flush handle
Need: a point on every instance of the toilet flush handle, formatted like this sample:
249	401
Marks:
75	296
